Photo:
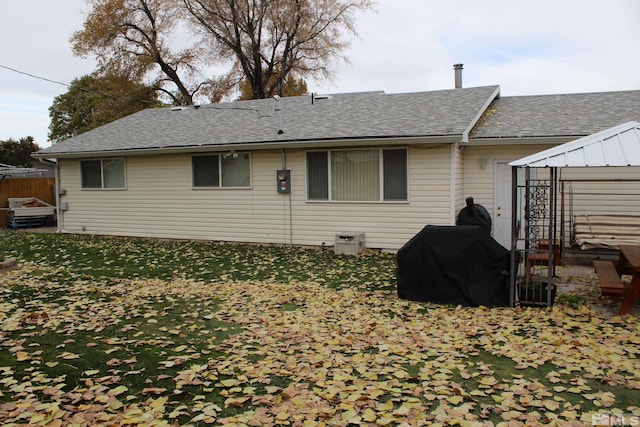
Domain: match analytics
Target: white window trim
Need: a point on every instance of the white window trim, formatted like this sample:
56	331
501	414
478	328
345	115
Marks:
103	188
381	177
219	186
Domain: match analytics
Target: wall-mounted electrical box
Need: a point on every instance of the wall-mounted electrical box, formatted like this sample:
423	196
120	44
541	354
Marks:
284	181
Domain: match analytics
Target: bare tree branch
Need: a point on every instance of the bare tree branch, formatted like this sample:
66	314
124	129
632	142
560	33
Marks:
137	35
274	39
270	43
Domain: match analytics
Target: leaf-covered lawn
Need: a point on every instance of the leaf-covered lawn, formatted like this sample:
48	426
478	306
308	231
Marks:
105	331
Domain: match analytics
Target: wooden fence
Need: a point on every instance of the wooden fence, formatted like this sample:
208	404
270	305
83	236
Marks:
42	188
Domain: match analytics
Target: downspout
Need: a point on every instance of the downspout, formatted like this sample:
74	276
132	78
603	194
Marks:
59	214
513	261
453	184
284	166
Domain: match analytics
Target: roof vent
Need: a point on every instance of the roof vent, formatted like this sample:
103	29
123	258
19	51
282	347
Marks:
185	107
315	97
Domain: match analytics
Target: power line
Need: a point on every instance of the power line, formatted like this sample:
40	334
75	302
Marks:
68	85
257	110
34	76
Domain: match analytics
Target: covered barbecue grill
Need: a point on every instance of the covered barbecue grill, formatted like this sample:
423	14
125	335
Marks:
459	264
474	214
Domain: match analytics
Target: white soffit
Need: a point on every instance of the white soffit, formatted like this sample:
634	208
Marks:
616	146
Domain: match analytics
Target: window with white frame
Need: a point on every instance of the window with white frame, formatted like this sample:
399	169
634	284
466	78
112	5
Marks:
367	175
103	174
231	170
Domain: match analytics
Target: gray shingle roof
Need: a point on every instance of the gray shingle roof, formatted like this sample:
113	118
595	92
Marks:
340	117
557	115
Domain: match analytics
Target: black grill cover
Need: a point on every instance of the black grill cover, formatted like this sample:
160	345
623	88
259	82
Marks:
474	214
454	265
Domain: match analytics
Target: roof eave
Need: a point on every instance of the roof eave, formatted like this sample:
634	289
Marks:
522	140
479	114
255	146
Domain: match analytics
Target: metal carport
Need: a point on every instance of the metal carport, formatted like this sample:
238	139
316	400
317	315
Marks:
534	231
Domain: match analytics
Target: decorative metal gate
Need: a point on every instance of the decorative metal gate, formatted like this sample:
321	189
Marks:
534	243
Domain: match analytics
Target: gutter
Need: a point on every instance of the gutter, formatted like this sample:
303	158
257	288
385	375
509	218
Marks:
523	140
254	146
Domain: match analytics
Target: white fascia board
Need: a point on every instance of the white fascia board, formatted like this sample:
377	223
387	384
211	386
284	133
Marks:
481	111
364	142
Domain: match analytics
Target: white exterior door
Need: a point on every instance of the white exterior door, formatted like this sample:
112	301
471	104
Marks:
502	191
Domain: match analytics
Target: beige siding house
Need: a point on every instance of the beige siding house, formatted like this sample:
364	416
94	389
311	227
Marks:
381	164
516	127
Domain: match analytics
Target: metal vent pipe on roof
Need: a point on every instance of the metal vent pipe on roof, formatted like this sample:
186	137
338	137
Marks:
457	68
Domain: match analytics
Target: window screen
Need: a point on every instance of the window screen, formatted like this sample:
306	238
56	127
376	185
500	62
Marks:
235	170
317	175
113	173
91	173
205	171
395	174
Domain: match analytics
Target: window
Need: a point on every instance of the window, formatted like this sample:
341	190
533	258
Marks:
395	174
103	174
357	175
317	175
222	171
205	171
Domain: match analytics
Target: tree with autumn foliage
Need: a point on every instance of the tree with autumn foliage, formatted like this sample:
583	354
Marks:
264	43
93	101
18	153
135	37
292	87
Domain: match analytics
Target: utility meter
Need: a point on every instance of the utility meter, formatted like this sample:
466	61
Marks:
284	181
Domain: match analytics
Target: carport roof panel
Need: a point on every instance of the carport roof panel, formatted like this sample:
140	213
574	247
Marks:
616	146
10	170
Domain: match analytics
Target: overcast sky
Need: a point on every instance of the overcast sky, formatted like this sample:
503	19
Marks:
527	47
